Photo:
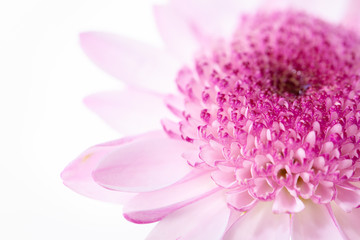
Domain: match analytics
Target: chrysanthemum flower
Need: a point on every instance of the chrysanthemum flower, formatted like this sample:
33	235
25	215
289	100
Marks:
265	139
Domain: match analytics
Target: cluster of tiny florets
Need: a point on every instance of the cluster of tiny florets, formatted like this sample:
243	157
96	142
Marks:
277	107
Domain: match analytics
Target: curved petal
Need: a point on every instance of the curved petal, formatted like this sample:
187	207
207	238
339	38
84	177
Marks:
348	222
260	223
77	175
286	203
224	179
153	206
235	215
347	197
241	200
144	165
128	111
204	219
132	62
314	222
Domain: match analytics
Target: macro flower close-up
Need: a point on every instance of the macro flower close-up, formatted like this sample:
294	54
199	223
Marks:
245	126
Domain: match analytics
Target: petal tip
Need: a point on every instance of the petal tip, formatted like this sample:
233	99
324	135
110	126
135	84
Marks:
65	175
84	37
135	217
89	101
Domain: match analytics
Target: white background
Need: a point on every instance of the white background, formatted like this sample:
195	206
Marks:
44	125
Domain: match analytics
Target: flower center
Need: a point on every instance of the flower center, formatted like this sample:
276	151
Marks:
277	107
290	82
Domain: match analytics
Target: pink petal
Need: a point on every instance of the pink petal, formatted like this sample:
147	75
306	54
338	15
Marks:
311	138
347	198
324	192
334	11
262	188
153	206
348	222
175	104
216	18
241	201
204	219
260	223
224	179
211	155
77	175
351	16
171	128
176	33
234	217
286	203
144	165
128	111
130	61
192	157
314	222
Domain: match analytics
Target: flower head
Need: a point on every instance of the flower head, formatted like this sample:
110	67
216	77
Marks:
266	144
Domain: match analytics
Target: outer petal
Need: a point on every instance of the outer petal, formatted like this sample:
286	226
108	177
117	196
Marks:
212	17
352	16
260	223
77	175
314	222
121	109
153	206
286	203
334	9
205	219
241	201
347	197
130	61
144	165
187	25
224	179
179	38
349	222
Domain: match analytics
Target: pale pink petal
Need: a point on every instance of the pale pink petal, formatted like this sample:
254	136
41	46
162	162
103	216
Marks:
204	219
314	222
77	175
144	165
286	203
224	179
175	104
192	157
347	198
234	217
352	16
211	155
132	62
260	223
334	8
128	111
311	138
262	189
348	222
241	201
171	128
324	192
216	18
153	206
177	35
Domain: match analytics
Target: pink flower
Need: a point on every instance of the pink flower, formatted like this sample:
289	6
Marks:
266	139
